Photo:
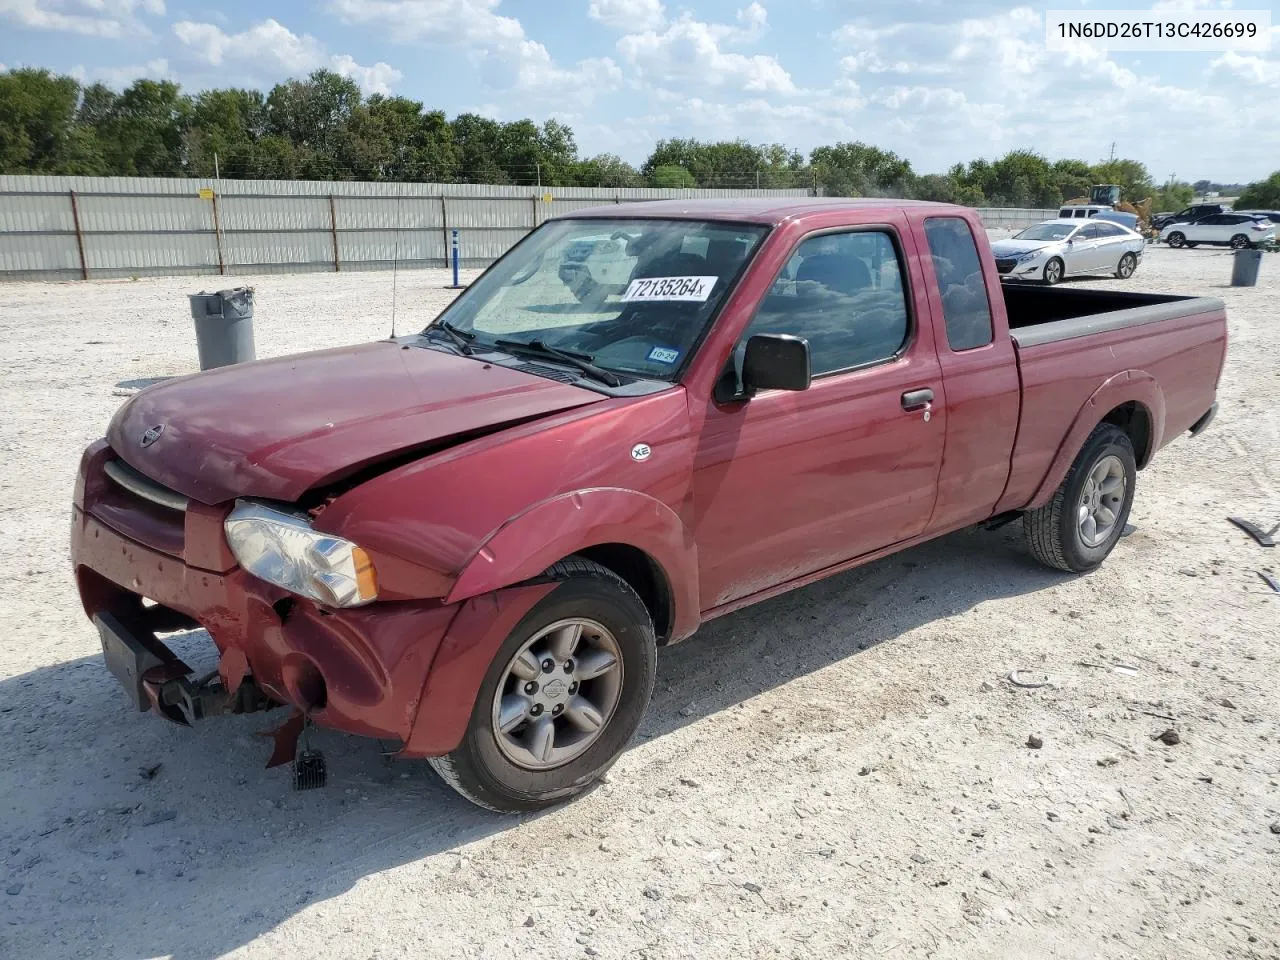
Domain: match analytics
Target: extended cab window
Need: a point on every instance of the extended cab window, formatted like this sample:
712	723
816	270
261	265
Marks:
961	286
842	292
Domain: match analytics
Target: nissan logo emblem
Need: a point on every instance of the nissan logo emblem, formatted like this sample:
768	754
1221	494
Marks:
152	435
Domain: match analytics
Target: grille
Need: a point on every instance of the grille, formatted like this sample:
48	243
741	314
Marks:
551	373
1005	265
144	488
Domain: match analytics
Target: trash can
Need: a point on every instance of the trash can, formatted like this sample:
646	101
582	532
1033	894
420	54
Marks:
1244	272
224	326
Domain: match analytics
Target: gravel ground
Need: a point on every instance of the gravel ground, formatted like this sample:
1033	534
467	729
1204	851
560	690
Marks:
840	771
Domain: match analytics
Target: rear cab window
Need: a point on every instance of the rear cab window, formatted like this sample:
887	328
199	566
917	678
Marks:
962	287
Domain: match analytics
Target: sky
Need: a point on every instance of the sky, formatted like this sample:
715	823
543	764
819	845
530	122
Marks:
937	81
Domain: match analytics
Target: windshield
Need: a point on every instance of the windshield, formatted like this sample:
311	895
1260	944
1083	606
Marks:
1047	231
633	295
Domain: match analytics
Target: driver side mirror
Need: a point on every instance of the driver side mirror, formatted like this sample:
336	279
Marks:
776	361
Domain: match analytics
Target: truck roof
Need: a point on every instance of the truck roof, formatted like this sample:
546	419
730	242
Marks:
770	210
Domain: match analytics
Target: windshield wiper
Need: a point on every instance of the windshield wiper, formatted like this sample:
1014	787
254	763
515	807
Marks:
580	360
461	338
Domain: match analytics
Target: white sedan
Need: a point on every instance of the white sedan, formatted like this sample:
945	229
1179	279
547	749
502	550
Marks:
1238	230
1055	249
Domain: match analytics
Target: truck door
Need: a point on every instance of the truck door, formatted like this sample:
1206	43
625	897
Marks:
979	370
788	483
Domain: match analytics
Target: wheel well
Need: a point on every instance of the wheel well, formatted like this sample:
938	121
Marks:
644	576
1134	419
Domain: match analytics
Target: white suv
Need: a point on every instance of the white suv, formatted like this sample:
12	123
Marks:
1237	230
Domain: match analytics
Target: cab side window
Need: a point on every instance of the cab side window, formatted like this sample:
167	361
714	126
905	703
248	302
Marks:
961	285
844	293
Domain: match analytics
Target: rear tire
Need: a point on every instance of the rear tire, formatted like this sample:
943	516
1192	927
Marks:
1124	269
1099	485
509	771
1053	271
1176	239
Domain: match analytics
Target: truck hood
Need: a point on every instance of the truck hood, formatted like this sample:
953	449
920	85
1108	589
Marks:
278	428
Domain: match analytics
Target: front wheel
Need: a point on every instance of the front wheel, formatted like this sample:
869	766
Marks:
1053	271
1177	239
1240	242
1128	263
1079	526
562	698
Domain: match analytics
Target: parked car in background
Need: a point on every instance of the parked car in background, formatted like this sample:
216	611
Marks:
1061	248
1237	230
1189	214
1271	216
472	540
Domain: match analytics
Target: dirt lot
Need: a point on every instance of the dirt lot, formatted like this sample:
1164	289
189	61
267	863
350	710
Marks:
839	772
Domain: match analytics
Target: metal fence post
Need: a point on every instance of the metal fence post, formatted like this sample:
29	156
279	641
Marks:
333	232
535	213
444	228
75	218
217	236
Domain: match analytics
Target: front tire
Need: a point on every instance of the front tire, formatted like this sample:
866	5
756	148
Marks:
1053	271
562	698
1081	524
1240	242
1177	239
1124	269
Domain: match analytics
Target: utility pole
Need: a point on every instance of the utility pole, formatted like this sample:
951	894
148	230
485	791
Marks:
216	175
1113	152
538	166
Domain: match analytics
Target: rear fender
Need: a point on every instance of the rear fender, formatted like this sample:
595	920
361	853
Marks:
1128	386
552	530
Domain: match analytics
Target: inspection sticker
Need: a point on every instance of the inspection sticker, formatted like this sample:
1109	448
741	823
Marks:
664	355
695	289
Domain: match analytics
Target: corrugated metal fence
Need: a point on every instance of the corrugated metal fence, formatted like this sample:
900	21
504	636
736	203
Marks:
60	228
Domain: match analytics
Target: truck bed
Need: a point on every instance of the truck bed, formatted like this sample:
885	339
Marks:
1048	314
1071	345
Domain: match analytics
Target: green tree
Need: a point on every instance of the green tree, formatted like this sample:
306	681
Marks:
226	125
671	175
38	128
143	131
1172	197
1263	195
1129	175
856	169
1073	178
479	142
607	170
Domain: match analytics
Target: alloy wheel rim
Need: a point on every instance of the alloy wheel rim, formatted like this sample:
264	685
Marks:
1126	265
557	694
1101	501
1053	272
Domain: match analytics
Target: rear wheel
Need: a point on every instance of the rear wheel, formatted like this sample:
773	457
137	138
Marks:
562	698
1240	242
1053	271
1128	263
1079	526
1177	239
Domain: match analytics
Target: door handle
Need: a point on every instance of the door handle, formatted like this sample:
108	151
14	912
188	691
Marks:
917	399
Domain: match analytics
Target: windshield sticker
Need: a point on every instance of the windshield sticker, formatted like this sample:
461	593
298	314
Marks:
695	289
664	355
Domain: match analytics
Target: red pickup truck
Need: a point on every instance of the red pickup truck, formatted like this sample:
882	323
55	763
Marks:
473	540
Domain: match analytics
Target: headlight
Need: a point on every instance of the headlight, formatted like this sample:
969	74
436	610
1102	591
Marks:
1029	255
281	548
